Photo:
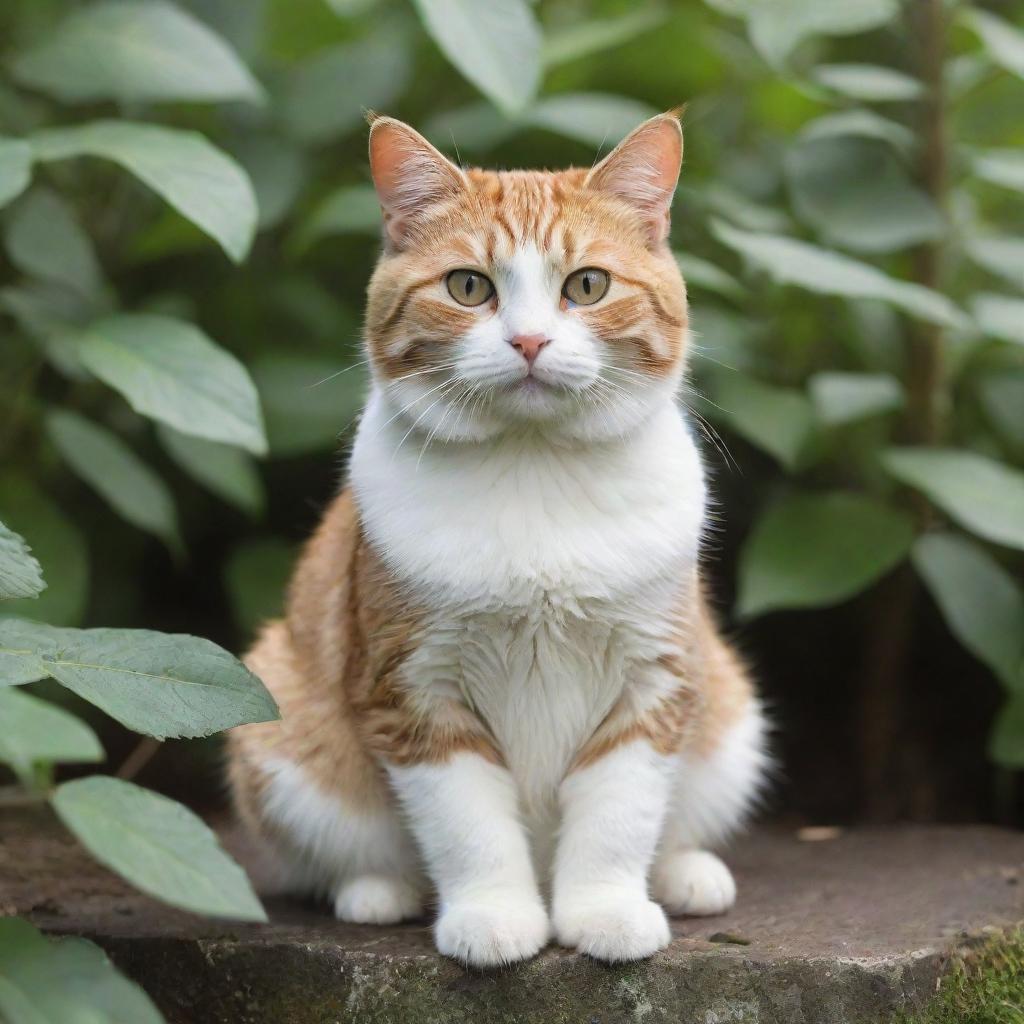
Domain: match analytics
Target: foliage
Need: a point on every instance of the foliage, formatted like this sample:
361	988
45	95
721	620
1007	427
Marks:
187	230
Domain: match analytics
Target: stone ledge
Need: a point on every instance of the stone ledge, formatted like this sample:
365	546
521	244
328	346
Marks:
835	932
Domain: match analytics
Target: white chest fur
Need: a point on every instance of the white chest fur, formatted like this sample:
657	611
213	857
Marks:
546	570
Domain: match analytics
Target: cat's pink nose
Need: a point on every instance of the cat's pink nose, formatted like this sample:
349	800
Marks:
529	345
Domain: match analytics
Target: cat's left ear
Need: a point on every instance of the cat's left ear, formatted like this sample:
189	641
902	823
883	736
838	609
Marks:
410	175
643	171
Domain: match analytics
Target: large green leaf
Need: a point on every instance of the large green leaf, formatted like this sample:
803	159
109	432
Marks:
868	82
20	574
56	543
983	605
197	179
158	845
1006	744
1001	316
169	370
701	273
777	27
496	45
64	981
1003	42
845	397
595	119
223	469
15	168
475	127
35	731
778	420
860	123
790	261
139	51
812	550
581	36
981	494
351	209
1002	395
161	684
328	96
1004	167
19	644
999	254
116	473
44	238
856	194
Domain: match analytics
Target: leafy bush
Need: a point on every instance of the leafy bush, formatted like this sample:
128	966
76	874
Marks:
188	229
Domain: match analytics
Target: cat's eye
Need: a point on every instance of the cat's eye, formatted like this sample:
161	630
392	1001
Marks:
468	288
586	286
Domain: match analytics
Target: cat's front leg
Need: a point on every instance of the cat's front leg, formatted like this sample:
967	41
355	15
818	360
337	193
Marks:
464	816
613	808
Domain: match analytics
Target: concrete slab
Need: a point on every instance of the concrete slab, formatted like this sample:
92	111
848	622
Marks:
839	931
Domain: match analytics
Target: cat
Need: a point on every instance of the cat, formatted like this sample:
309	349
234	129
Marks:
501	686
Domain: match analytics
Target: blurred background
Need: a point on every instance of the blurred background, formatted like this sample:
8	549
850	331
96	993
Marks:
186	198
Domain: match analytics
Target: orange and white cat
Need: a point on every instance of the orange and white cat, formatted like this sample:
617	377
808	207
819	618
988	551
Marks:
502	691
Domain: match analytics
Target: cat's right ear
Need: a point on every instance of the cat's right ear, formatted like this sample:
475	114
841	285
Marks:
410	175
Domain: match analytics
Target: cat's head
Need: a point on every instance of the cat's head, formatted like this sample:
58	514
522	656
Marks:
505	298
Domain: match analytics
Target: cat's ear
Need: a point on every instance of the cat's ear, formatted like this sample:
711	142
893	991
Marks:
410	175
643	171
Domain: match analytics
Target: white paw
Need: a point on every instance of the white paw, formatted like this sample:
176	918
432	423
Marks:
612	925
492	931
693	882
377	899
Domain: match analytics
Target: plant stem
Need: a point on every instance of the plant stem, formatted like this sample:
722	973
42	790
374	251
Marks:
895	782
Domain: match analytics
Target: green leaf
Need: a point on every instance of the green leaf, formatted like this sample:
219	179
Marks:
20	574
869	83
701	273
790	261
277	168
475	127
158	845
1006	744
981	602
859	123
778	420
15	168
814	550
1003	167
19	645
981	494
52	314
351	209
64	981
44	238
846	397
1000	316
595	119
857	195
1003	41
328	96
496	45
307	401
777	27
160	684
169	370
583	36
197	179
999	254
223	469
256	577
1002	395
117	474
135	52
36	731
55	542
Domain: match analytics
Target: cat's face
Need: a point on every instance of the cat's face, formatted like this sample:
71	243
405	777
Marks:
526	297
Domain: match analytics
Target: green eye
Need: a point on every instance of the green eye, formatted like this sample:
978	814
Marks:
468	288
586	286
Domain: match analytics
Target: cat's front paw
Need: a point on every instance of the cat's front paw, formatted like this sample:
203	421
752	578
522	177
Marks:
612	925
485	932
693	882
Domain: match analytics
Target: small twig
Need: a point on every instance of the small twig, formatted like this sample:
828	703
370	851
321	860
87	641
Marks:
144	752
